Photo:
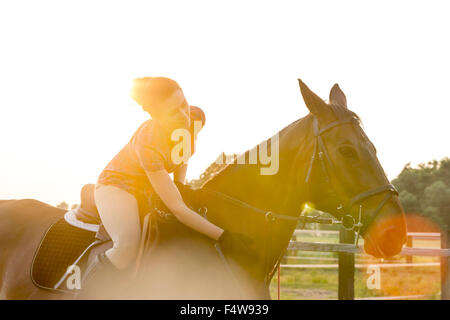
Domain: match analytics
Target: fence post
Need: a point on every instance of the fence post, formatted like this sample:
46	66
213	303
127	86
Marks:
409	244
445	266
346	270
278	281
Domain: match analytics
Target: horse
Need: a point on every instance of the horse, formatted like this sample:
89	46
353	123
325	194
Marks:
325	161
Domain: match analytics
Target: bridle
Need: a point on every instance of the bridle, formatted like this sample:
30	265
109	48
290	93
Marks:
347	220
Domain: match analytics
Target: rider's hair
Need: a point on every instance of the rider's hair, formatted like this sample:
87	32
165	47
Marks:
151	92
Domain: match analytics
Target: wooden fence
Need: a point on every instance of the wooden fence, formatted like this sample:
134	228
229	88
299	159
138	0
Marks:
346	258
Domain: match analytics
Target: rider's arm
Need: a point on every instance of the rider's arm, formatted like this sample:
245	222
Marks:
180	173
169	194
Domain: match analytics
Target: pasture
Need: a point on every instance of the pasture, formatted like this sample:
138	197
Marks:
314	275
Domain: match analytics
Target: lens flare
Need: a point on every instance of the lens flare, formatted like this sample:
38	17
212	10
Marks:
410	276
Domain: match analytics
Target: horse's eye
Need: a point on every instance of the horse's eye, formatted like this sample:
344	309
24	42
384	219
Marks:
348	152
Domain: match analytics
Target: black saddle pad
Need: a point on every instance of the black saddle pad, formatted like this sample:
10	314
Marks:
60	247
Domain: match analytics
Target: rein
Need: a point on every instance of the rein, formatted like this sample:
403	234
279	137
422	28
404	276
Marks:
270	215
270	218
346	219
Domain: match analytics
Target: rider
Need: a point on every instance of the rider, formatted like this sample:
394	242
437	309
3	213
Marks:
145	163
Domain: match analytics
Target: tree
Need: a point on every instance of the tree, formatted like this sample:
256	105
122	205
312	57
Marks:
63	205
409	201
425	190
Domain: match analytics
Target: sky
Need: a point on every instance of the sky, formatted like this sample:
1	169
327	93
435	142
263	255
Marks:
66	69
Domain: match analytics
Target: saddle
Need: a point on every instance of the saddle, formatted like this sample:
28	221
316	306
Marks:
69	244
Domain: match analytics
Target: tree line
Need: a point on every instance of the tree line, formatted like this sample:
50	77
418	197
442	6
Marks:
425	190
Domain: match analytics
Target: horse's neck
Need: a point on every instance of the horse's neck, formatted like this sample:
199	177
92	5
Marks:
244	183
279	193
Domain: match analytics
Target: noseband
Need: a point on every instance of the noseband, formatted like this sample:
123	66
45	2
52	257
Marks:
346	219
320	151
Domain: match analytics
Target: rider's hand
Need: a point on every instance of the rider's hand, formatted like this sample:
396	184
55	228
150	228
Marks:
237	245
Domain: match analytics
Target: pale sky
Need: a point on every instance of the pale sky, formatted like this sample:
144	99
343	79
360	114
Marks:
65	70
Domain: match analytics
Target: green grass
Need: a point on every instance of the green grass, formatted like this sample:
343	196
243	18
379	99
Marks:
303	284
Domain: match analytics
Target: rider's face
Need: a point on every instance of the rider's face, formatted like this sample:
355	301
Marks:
178	111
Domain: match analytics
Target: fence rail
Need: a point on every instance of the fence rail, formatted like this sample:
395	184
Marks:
360	265
350	248
346	250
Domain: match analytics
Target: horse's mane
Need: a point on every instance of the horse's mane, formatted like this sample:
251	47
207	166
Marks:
211	171
217	169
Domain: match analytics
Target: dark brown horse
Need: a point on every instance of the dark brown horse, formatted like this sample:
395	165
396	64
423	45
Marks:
325	159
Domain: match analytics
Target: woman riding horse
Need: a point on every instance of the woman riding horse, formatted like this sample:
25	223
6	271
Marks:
144	164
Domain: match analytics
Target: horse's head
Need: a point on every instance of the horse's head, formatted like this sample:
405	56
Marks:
345	177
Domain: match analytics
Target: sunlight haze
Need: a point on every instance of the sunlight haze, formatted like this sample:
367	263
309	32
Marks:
66	70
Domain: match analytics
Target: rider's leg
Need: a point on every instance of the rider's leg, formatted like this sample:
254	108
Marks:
119	213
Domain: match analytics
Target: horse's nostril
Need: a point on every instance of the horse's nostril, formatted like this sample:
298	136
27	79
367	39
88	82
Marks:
391	241
385	241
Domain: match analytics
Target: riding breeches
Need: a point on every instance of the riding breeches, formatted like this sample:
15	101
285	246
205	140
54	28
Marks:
119	213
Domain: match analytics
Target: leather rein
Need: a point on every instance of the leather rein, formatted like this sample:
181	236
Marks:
347	220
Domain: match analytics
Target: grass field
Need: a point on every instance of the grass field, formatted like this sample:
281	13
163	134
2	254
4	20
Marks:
321	283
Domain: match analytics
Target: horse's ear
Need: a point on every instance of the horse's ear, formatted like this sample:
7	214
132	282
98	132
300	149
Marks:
337	96
314	103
